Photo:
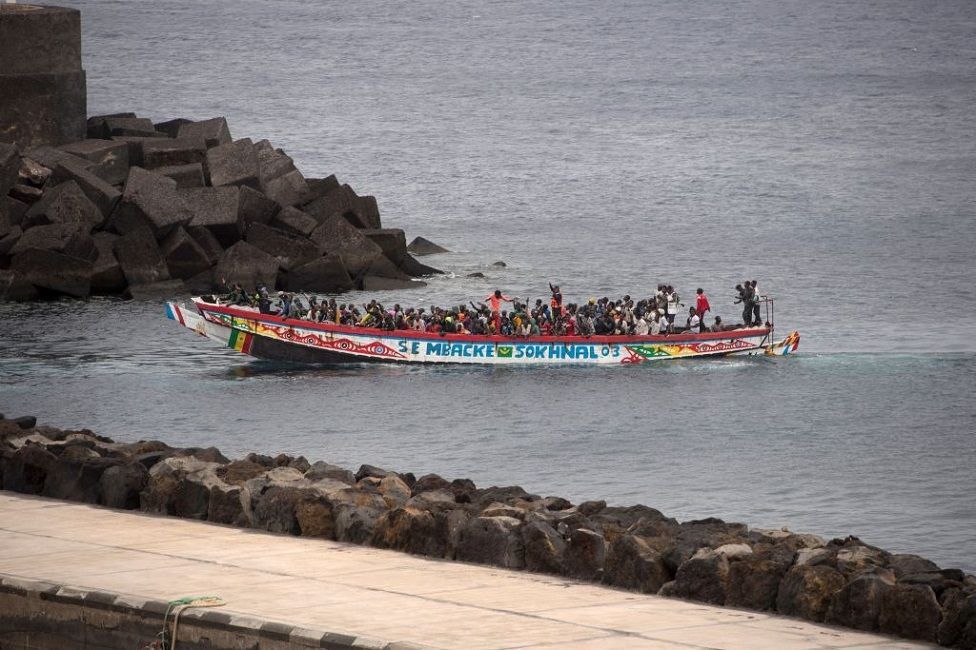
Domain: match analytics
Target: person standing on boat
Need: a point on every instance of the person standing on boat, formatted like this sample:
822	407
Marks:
756	315
745	297
556	302
495	305
694	323
701	304
673	302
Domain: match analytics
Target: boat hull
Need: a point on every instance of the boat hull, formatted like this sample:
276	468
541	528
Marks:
270	337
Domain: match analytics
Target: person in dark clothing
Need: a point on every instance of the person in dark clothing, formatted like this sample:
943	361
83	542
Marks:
756	316
556	302
746	298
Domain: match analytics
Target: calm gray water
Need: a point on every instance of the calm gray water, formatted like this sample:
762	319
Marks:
826	149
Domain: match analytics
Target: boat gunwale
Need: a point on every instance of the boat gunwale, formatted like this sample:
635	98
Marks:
603	339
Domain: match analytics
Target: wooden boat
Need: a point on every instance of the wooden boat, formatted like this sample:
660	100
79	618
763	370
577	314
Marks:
288	339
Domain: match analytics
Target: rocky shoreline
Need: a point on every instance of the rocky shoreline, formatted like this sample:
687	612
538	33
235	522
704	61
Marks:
148	209
842	581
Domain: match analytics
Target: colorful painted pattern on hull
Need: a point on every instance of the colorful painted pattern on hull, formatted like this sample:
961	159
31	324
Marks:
384	346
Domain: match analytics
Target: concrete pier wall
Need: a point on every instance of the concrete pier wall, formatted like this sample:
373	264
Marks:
43	96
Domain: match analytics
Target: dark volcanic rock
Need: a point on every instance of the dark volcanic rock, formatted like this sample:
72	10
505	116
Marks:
109	159
325	274
186	176
248	265
319	187
26	193
15	288
46	269
185	258
544	548
64	203
906	564
858	603
492	540
156	291
421	246
703	577
215	208
213	132
291	250
910	611
356	514
120	485
171	128
296	221
166	152
632	564
234	163
416	269
140	258
585	555
135	145
958	626
150	201
410	530
9	167
806	591
754	583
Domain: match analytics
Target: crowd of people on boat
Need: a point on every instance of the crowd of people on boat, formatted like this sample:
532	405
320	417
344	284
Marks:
661	313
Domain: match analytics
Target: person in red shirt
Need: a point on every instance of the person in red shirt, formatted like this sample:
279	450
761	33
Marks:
701	304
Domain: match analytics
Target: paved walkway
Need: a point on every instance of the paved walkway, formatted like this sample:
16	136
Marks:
361	591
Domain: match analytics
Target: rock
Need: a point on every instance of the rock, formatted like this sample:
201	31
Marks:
26	469
167	152
96	125
475	275
806	591
585	555
171	128
502	510
286	190
162	290
436	501
77	479
410	530
150	201
392	243
109	159
213	132
910	611
274	510
492	540
140	258
137	126
239	472
937	581
499	265
321	470
632	564
356	513
255	207
421	246
64	204
290	250
234	163
107	276
68	238
429	482
38	164
207	241
47	269
226	505
325	274
754	583
858	603
691	536
120	485
102	194
319	187
13	209
905	564
813	556
26	193
370	471
315	517
294	220
359	212
273	163
215	208
704	577
375	283
958	626
179	486
25	422
15	288
395	492
186	176
135	146
415	269
248	265
734	551
185	258
854	557
590	508
9	167
544	548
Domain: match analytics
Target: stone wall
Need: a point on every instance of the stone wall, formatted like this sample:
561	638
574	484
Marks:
43	99
841	581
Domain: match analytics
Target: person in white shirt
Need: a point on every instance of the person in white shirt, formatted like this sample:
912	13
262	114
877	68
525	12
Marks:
658	324
642	327
694	323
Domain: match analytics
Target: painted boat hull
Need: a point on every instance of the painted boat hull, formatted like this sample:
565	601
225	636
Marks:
293	340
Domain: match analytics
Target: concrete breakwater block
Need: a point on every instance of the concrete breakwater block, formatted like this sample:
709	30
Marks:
54	271
421	246
199	193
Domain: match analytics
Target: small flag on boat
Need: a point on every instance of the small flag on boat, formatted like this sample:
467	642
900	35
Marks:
240	341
